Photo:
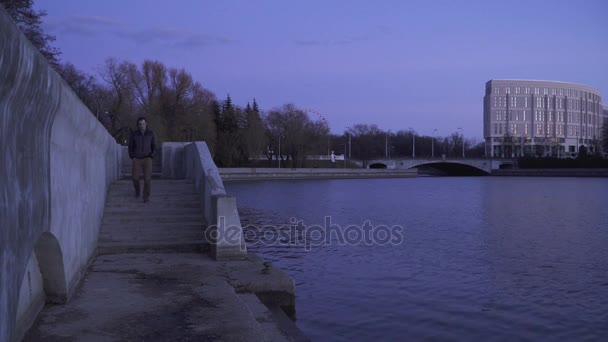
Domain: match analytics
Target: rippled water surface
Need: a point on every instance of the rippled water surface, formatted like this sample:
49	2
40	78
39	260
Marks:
481	258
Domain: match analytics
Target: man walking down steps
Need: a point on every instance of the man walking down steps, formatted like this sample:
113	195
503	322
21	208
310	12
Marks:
142	147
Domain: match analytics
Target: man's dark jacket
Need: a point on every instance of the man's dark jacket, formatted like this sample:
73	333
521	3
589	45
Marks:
142	145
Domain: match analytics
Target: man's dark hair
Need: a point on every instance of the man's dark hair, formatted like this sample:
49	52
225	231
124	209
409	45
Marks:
141	118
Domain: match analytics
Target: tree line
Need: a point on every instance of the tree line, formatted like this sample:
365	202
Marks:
180	108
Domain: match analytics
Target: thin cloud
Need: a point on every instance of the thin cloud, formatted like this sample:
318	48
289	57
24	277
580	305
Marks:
309	42
93	26
379	31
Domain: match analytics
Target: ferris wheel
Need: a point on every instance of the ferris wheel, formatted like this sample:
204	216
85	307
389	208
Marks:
323	119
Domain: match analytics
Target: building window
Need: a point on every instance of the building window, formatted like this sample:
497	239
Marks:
545	91
516	90
526	102
553	91
526	129
508	90
495	101
496	90
561	92
524	114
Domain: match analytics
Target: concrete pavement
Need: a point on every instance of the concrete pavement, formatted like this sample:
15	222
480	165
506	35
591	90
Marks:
147	284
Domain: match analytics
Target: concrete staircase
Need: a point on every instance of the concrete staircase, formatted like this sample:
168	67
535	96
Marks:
171	221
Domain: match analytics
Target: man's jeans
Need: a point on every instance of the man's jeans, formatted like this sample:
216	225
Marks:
146	165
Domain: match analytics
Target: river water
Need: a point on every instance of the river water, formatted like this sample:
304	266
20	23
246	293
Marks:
469	258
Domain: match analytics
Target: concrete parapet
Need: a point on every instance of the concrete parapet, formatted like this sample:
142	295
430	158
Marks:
226	234
220	212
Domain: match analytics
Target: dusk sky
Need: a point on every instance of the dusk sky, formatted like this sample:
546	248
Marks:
397	64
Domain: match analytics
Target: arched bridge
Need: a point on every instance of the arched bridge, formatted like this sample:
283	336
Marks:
471	166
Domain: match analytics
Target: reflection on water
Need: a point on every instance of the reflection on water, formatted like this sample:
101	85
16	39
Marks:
481	258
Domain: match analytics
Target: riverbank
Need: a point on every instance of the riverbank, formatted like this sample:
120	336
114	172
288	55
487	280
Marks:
551	172
244	174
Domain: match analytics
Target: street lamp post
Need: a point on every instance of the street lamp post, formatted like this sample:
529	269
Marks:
462	132
349	146
348	130
413	142
386	144
345	154
433	143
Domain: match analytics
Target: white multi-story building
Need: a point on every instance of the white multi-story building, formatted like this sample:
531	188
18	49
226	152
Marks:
540	118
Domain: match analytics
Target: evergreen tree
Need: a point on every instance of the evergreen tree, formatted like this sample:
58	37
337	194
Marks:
227	104
217	115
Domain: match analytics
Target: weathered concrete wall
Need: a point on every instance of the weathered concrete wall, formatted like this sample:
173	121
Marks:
220	211
55	164
31	295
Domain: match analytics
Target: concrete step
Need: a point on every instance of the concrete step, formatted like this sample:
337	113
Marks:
158	226
162	181
155	203
155	175
145	211
161	189
147	237
154	197
129	167
190	246
139	219
159	182
130	196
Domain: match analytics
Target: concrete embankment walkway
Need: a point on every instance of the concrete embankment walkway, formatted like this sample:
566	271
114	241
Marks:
153	281
551	172
242	174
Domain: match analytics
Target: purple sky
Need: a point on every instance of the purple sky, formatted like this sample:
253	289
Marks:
398	64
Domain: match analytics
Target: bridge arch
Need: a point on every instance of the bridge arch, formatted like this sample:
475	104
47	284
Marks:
378	166
450	168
